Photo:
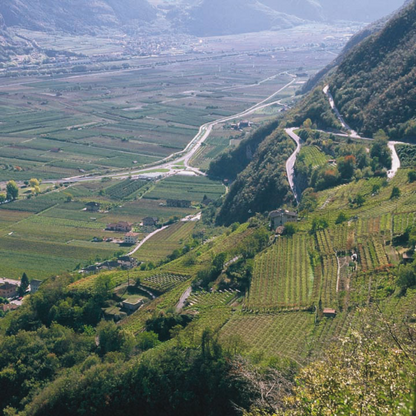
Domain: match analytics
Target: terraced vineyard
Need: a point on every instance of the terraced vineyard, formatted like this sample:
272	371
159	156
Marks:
343	237
403	220
372	254
210	318
282	334
136	322
165	242
200	300
283	276
328	329
328	277
325	245
163	282
313	156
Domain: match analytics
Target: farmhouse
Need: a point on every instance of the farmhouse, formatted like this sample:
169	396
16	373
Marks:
120	226
131	238
127	262
281	217
34	285
243	124
8	307
150	221
92	206
8	290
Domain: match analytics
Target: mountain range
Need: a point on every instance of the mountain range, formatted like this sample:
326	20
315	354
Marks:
74	16
222	17
196	17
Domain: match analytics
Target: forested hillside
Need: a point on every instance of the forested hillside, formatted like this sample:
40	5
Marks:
228	165
374	86
263	185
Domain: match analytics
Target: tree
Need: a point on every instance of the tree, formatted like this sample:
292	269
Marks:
307	124
24	284
407	276
34	182
380	149
366	374
346	166
319	224
2	198
359	200
12	190
290	229
412	176
341	218
395	192
376	188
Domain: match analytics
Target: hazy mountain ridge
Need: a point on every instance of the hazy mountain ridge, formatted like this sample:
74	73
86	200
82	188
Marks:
200	18
216	17
219	17
74	16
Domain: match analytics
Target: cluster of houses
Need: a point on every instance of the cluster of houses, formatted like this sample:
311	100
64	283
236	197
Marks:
9	290
123	262
241	125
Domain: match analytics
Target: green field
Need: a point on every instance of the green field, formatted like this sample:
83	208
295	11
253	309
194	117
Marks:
47	235
190	188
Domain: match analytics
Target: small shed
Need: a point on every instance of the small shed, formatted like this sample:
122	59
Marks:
132	304
92	206
330	313
150	221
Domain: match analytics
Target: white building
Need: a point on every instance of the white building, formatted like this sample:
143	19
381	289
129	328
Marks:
281	217
131	238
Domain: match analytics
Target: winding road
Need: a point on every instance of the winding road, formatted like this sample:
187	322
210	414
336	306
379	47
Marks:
395	165
290	164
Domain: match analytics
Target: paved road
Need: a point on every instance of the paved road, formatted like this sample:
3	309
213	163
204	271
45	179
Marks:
290	164
183	299
344	124
146	239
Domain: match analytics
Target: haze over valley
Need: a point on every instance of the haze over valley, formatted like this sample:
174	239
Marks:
207	207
